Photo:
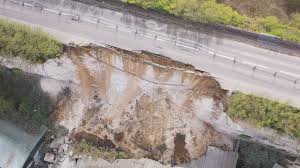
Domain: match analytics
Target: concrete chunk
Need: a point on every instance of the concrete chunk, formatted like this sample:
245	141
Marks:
49	157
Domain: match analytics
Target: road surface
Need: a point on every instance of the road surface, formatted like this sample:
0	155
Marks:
237	66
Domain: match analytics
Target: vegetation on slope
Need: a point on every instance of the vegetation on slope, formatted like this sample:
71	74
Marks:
255	155
22	101
265	113
89	149
22	41
209	11
282	9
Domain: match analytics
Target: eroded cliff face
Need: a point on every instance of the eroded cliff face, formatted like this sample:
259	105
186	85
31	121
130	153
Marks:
144	104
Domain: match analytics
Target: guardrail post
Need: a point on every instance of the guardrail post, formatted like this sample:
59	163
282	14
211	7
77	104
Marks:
275	74
41	10
296	82
155	38
253	70
98	21
135	33
234	60
175	41
214	57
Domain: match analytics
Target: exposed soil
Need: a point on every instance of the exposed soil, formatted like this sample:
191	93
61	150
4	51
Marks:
85	78
145	104
181	155
119	136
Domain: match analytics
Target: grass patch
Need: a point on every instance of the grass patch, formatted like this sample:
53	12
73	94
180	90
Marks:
209	11
32	44
265	113
88	149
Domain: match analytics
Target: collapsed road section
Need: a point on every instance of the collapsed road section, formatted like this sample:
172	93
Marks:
138	103
141	102
117	104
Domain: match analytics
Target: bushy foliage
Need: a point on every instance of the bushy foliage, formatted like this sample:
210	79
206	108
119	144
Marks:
88	149
212	12
22	41
252	155
265	113
209	11
295	22
22	101
273	26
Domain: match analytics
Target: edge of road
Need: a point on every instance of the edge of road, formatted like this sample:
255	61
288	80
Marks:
290	99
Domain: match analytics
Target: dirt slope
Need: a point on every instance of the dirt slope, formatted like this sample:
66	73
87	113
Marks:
141	102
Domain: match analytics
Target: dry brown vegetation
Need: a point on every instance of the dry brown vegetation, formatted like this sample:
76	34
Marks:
260	8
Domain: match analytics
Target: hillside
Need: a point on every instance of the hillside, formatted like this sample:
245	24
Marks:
280	19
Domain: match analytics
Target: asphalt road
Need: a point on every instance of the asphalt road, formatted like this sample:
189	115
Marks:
236	65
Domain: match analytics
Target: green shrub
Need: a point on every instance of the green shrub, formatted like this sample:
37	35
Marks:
209	11
254	155
265	113
153	156
295	22
162	148
212	12
88	149
22	101
22	41
6	105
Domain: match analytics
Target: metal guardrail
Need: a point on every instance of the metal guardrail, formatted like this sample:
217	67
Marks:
263	40
293	79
